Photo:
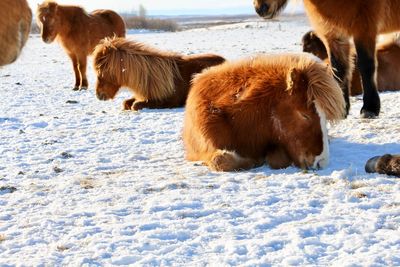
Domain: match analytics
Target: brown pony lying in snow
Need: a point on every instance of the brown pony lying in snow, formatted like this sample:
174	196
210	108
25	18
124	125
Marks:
388	56
78	32
158	79
15	25
269	109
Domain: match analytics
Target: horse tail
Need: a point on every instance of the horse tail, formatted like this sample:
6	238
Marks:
324	90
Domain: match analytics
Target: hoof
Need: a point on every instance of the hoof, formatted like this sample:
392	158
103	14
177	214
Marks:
128	104
223	161
371	164
364	114
77	88
138	105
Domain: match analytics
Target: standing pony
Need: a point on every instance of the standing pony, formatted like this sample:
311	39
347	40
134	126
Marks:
157	79
335	22
269	109
15	25
388	58
78	32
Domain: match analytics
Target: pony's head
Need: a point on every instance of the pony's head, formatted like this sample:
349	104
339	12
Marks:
46	17
148	72
268	9
108	70
312	44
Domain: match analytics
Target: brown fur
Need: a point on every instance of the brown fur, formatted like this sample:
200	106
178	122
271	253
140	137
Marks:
388	55
15	25
78	32
386	164
158	79
336	21
241	114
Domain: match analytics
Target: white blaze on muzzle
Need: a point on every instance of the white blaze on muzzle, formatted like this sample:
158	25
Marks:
322	160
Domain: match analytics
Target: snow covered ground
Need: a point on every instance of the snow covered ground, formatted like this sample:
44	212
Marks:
84	183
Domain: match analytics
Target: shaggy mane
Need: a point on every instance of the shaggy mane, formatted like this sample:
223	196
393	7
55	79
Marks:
150	71
322	89
44	7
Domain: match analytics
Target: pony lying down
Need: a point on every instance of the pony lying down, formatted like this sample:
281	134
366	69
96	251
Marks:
157	79
268	109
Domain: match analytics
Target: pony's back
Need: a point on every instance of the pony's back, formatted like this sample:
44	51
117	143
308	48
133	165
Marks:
115	21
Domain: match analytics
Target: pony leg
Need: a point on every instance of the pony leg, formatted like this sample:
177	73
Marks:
82	70
366	56
128	103
223	160
138	105
76	72
339	56
278	158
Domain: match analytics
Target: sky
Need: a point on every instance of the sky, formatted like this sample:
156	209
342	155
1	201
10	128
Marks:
165	7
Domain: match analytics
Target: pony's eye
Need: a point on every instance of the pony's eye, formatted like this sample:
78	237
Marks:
305	116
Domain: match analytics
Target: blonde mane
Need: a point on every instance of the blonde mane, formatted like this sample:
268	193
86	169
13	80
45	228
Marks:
150	72
322	87
324	90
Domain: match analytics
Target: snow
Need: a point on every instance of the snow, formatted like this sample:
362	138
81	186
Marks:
84	183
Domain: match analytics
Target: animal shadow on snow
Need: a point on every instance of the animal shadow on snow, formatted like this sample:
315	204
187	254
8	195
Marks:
345	155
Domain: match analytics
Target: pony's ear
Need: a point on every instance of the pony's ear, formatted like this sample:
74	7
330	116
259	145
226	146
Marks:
52	7
292	79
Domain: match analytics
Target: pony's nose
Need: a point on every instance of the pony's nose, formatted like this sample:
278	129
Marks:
46	40
101	96
262	10
320	164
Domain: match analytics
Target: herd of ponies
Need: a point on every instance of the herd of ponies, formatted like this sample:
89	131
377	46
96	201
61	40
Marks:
267	109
